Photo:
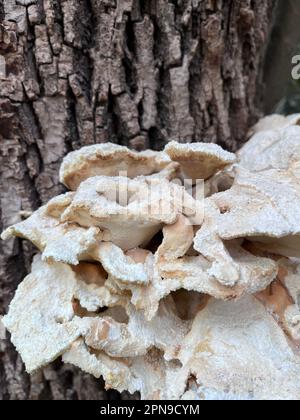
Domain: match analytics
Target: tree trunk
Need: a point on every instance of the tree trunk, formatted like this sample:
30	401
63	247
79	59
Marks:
138	73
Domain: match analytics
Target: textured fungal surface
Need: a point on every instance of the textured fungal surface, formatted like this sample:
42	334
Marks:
161	289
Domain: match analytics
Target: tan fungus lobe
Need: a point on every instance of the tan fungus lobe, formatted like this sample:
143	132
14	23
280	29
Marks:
130	211
263	207
225	361
274	122
273	150
282	299
109	160
60	242
41	319
199	160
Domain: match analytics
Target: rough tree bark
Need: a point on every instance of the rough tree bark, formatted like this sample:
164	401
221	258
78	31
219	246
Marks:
133	72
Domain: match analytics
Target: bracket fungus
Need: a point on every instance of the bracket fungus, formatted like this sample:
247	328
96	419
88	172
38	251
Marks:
110	160
139	280
199	160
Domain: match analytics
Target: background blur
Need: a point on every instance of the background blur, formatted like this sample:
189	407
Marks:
282	92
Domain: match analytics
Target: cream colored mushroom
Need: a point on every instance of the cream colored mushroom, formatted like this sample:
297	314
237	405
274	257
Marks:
178	239
211	312
262	207
230	264
109	160
274	122
273	149
91	292
130	211
120	266
117	374
143	374
240	353
199	161
60	242
138	336
42	316
171	269
225	362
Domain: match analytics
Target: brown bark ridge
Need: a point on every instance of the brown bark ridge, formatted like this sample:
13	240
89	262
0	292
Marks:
139	73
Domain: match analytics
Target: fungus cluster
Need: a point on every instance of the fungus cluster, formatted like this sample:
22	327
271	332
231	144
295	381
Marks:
141	281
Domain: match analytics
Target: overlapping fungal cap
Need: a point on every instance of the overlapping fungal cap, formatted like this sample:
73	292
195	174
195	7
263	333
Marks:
199	160
240	353
276	150
275	122
110	160
42	319
60	242
130	211
177	265
143	283
261	208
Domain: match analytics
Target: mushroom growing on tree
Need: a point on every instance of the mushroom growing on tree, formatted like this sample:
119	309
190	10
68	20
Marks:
167	304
